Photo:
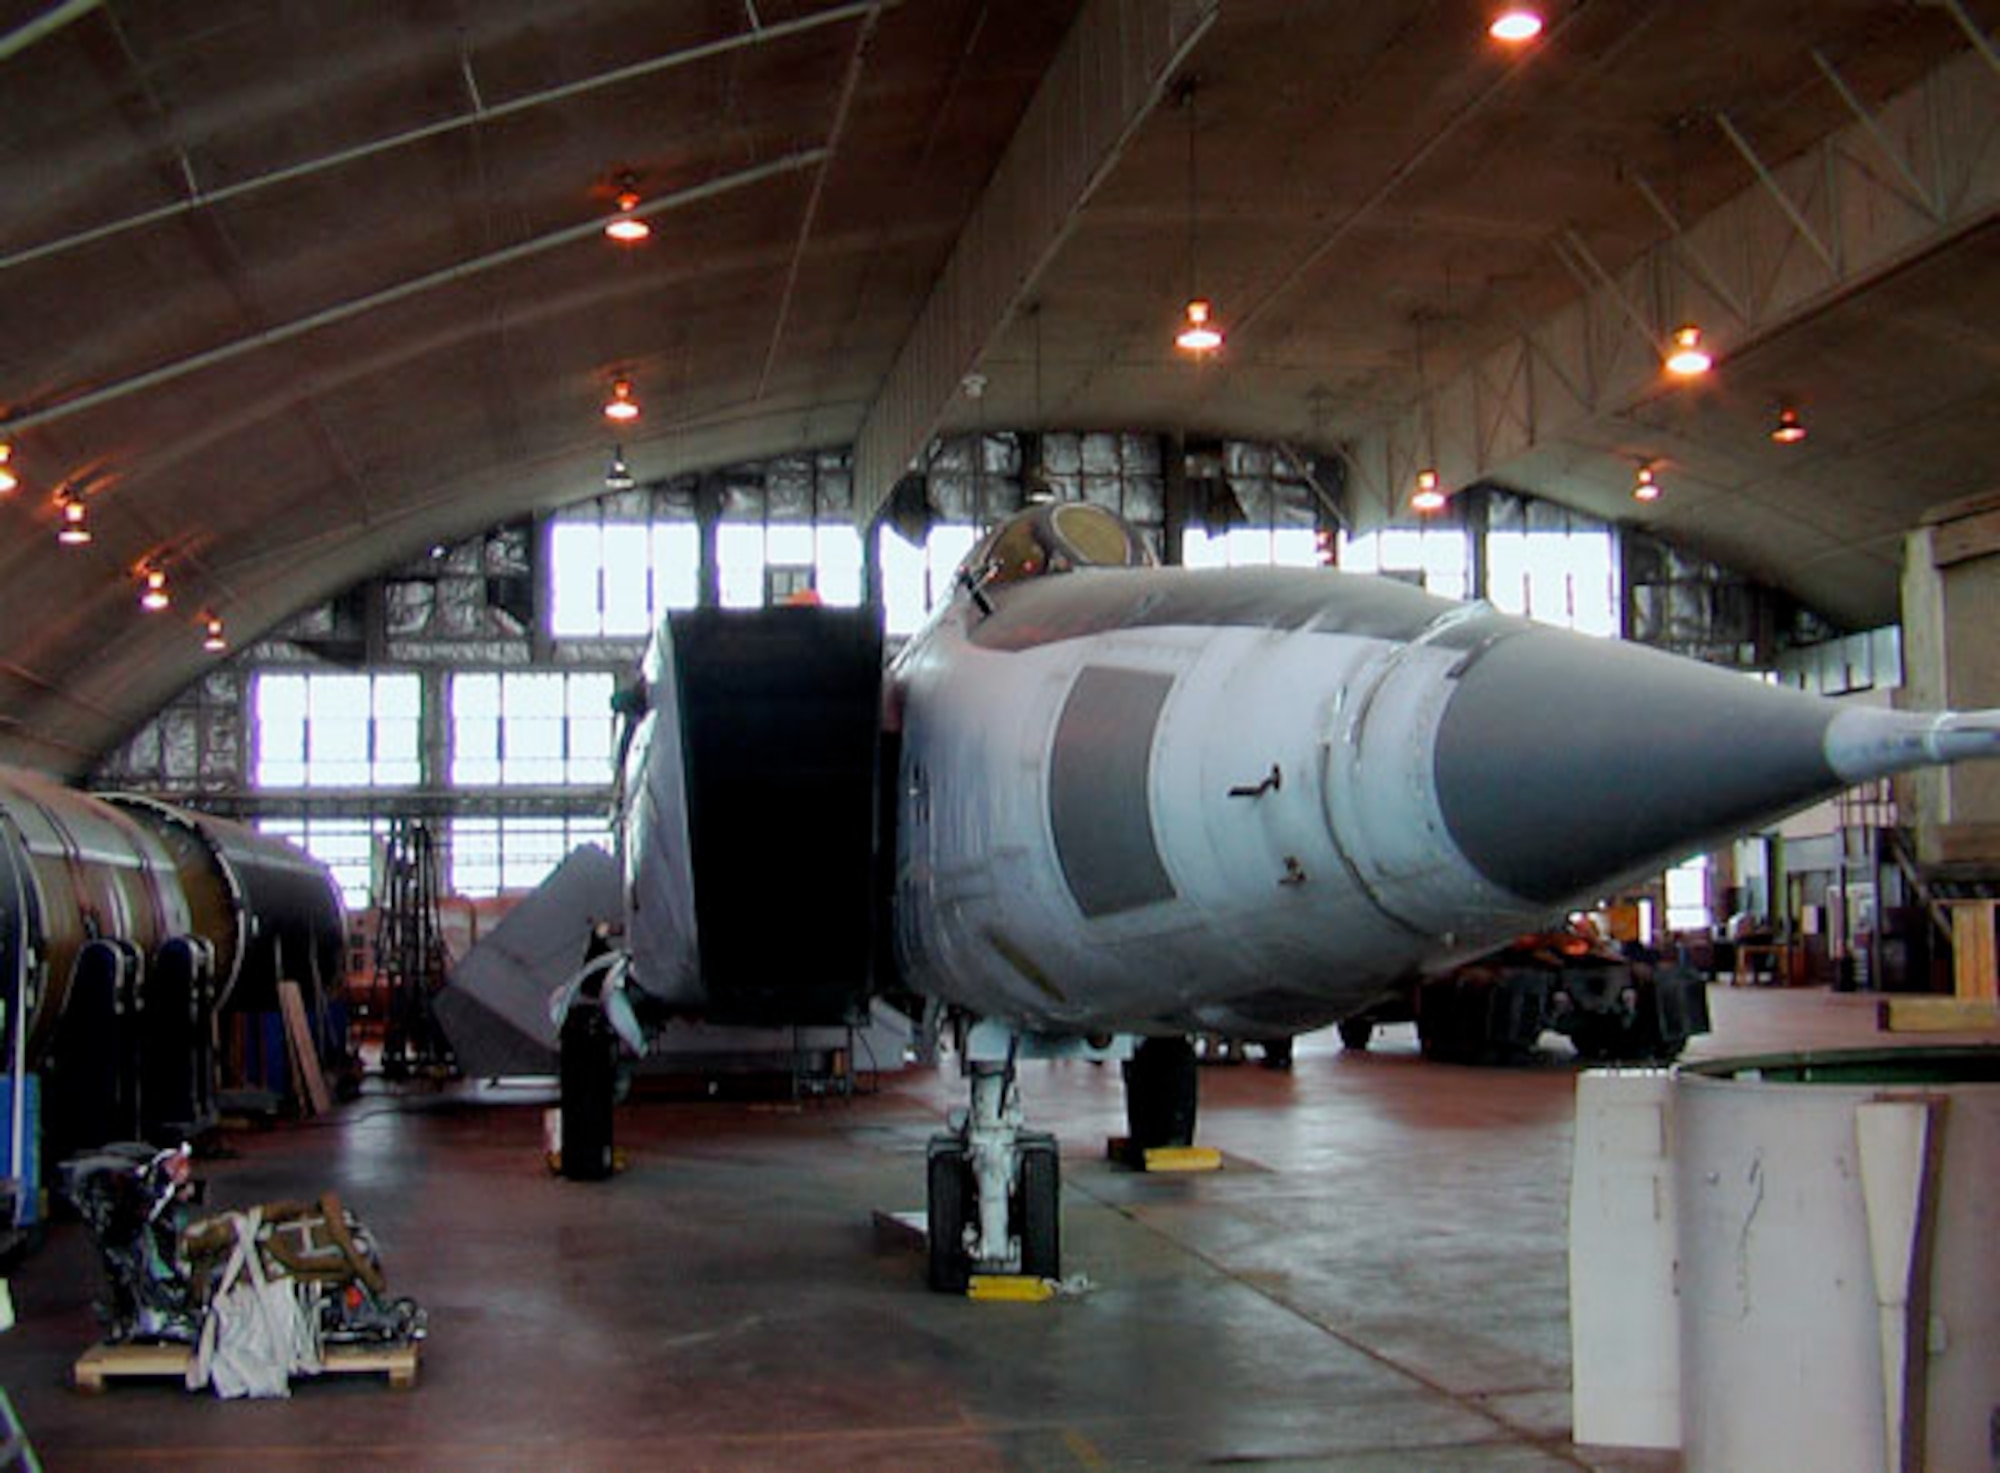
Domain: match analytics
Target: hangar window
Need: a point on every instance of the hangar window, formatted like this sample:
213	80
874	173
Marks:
759	564
1250	547
489	855
318	730
1687	895
1437	559
916	579
1249	508
531	727
615	579
1551	565
346	846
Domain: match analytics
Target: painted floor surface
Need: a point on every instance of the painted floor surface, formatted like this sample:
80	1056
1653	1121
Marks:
1377	1280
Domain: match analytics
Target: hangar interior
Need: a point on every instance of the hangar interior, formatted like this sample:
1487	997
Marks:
348	460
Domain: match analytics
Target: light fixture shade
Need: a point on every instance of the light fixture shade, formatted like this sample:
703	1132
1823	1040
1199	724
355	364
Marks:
1788	430
1429	496
625	227
1688	358
1200	335
8	480
75	530
212	639
1515	25
621	406
154	596
1645	487
618	475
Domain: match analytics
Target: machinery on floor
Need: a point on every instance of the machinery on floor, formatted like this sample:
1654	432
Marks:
255	1294
133	935
1099	806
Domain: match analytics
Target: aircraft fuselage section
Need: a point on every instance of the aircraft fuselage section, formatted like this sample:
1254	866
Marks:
1229	825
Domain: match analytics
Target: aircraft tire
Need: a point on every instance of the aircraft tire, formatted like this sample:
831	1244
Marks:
1277	1053
1357	1033
1161	1098
947	1202
1039	1211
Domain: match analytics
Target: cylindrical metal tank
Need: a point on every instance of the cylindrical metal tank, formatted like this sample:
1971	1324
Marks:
1839	1296
92	871
79	867
271	911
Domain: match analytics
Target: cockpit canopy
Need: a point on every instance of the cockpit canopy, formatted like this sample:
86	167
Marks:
1054	538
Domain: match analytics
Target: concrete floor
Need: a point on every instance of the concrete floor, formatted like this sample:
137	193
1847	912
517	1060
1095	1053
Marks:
1377	1280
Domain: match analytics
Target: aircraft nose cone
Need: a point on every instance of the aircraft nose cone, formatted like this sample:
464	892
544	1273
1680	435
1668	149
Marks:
1564	763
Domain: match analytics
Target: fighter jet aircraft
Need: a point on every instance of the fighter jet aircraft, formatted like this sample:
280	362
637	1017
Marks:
1123	803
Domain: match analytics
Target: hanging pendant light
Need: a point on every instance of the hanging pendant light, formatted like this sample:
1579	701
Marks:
1645	486
8	480
1788	430
1687	358
1515	25
153	593
618	475
621	406
212	639
1200	333
75	529
1428	499
625	227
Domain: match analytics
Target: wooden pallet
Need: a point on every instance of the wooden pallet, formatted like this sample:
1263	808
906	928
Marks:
102	1363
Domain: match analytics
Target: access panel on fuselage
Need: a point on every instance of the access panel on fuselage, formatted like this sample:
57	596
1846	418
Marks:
780	727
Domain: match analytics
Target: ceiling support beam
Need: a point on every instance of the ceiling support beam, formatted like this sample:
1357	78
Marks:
402	291
1584	363
480	113
22	37
1113	68
843	108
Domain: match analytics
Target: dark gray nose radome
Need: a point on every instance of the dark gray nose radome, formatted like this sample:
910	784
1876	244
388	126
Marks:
1564	763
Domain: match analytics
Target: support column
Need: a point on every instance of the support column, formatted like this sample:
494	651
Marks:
1951	593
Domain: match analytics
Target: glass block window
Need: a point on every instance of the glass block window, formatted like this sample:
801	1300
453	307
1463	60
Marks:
317	730
346	846
489	855
531	727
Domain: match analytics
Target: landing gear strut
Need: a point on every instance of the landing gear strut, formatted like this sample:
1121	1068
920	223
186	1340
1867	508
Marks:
994	1189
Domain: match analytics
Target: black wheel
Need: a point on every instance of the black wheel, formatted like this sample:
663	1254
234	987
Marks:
947	1200
1357	1033
1160	1093
1277	1054
1038	1213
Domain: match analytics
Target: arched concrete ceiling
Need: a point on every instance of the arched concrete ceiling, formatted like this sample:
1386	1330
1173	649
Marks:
290	291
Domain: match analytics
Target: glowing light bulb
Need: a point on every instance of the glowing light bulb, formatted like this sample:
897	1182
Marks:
211	639
1644	486
625	227
1788	430
1688	359
621	406
1201	335
73	533
8	480
1429	497
1515	26
155	596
